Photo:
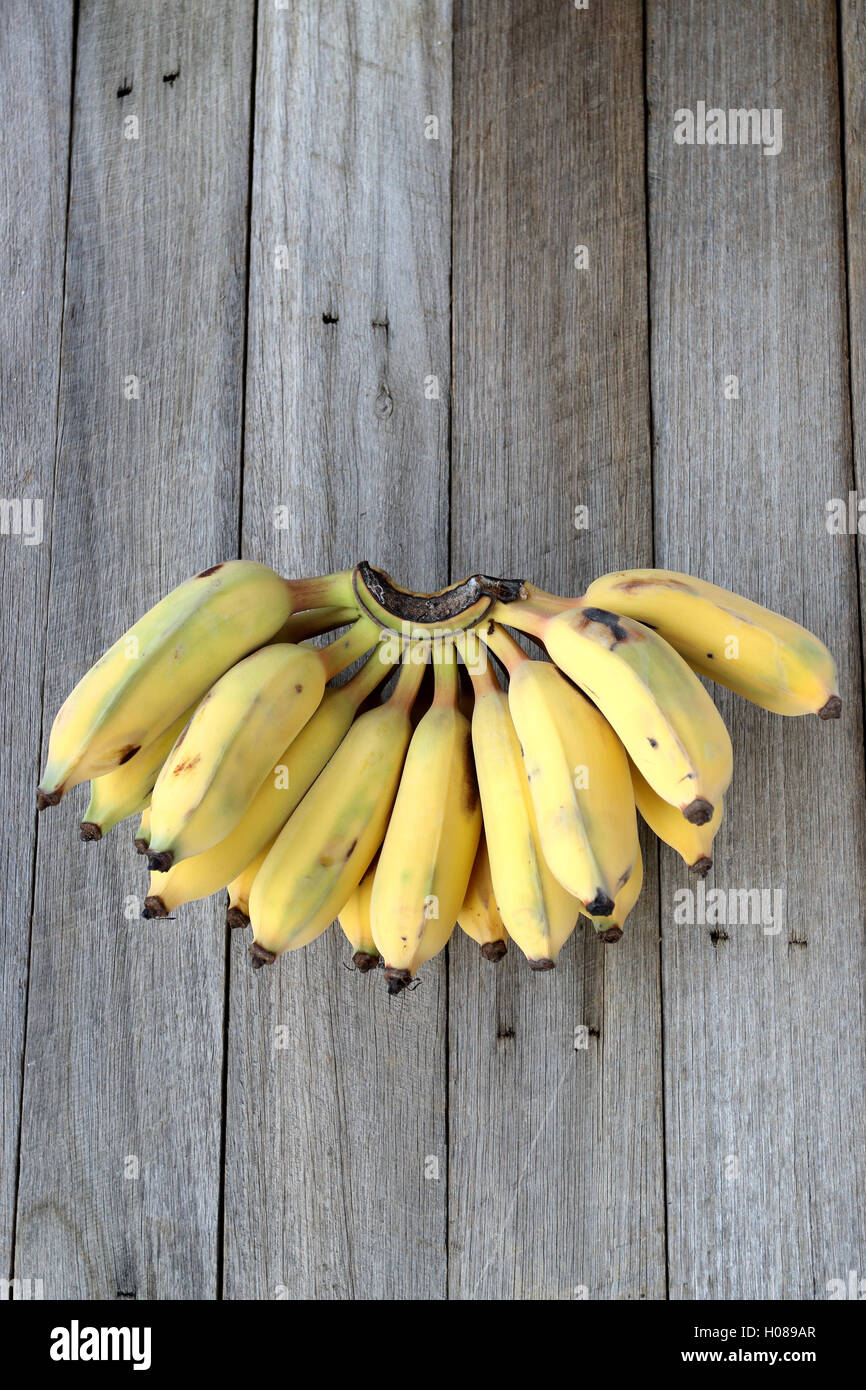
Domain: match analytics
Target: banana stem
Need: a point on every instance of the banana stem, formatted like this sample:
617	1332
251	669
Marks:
445	674
363	635
503	645
313	622
483	680
529	615
408	682
324	591
371	674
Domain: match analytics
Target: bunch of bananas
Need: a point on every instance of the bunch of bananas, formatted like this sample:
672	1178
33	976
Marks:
452	778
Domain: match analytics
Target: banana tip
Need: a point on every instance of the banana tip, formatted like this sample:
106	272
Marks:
698	811
544	964
154	907
161	862
260	956
237	919
46	799
141	846
701	866
832	709
610	935
396	979
364	961
89	830
493	950
601	905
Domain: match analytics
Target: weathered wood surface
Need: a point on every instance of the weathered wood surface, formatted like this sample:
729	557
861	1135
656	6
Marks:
35	82
124	1048
556	1149
286	319
764	1030
336	1159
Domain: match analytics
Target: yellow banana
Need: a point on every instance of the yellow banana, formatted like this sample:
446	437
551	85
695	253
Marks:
238	907
292	776
537	911
694	843
432	836
479	915
326	847
578	775
767	658
233	739
609	929
142	834
125	791
645	689
160	667
354	919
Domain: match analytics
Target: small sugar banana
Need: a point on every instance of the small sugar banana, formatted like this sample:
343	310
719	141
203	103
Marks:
479	917
354	919
694	843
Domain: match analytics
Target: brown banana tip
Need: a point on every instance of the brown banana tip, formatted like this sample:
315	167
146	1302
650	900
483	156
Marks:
88	830
832	709
237	919
396	979
701	866
610	935
543	964
46	799
259	956
161	862
698	811
141	846
601	905
493	950
154	907
364	961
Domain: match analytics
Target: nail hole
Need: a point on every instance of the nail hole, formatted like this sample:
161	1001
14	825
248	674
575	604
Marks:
124	89
330	318
171	77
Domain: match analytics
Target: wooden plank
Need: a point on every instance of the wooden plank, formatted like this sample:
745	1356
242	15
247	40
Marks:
764	1030
35	78
853	57
332	1140
125	1024
556	1150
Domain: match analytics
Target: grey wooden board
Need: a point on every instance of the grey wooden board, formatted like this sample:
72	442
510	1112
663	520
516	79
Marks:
333	1142
35	79
853	54
124	1046
556	1153
763	1036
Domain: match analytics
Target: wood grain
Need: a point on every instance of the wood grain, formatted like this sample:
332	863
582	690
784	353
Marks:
336	1160
852	49
125	1024
764	1030
555	1150
35	79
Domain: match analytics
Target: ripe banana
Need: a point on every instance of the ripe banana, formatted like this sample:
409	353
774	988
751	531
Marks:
578	775
235	736
767	658
645	689
142	834
609	929
160	667
432	836
537	911
238	907
693	842
326	847
354	922
292	776
125	791
479	915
